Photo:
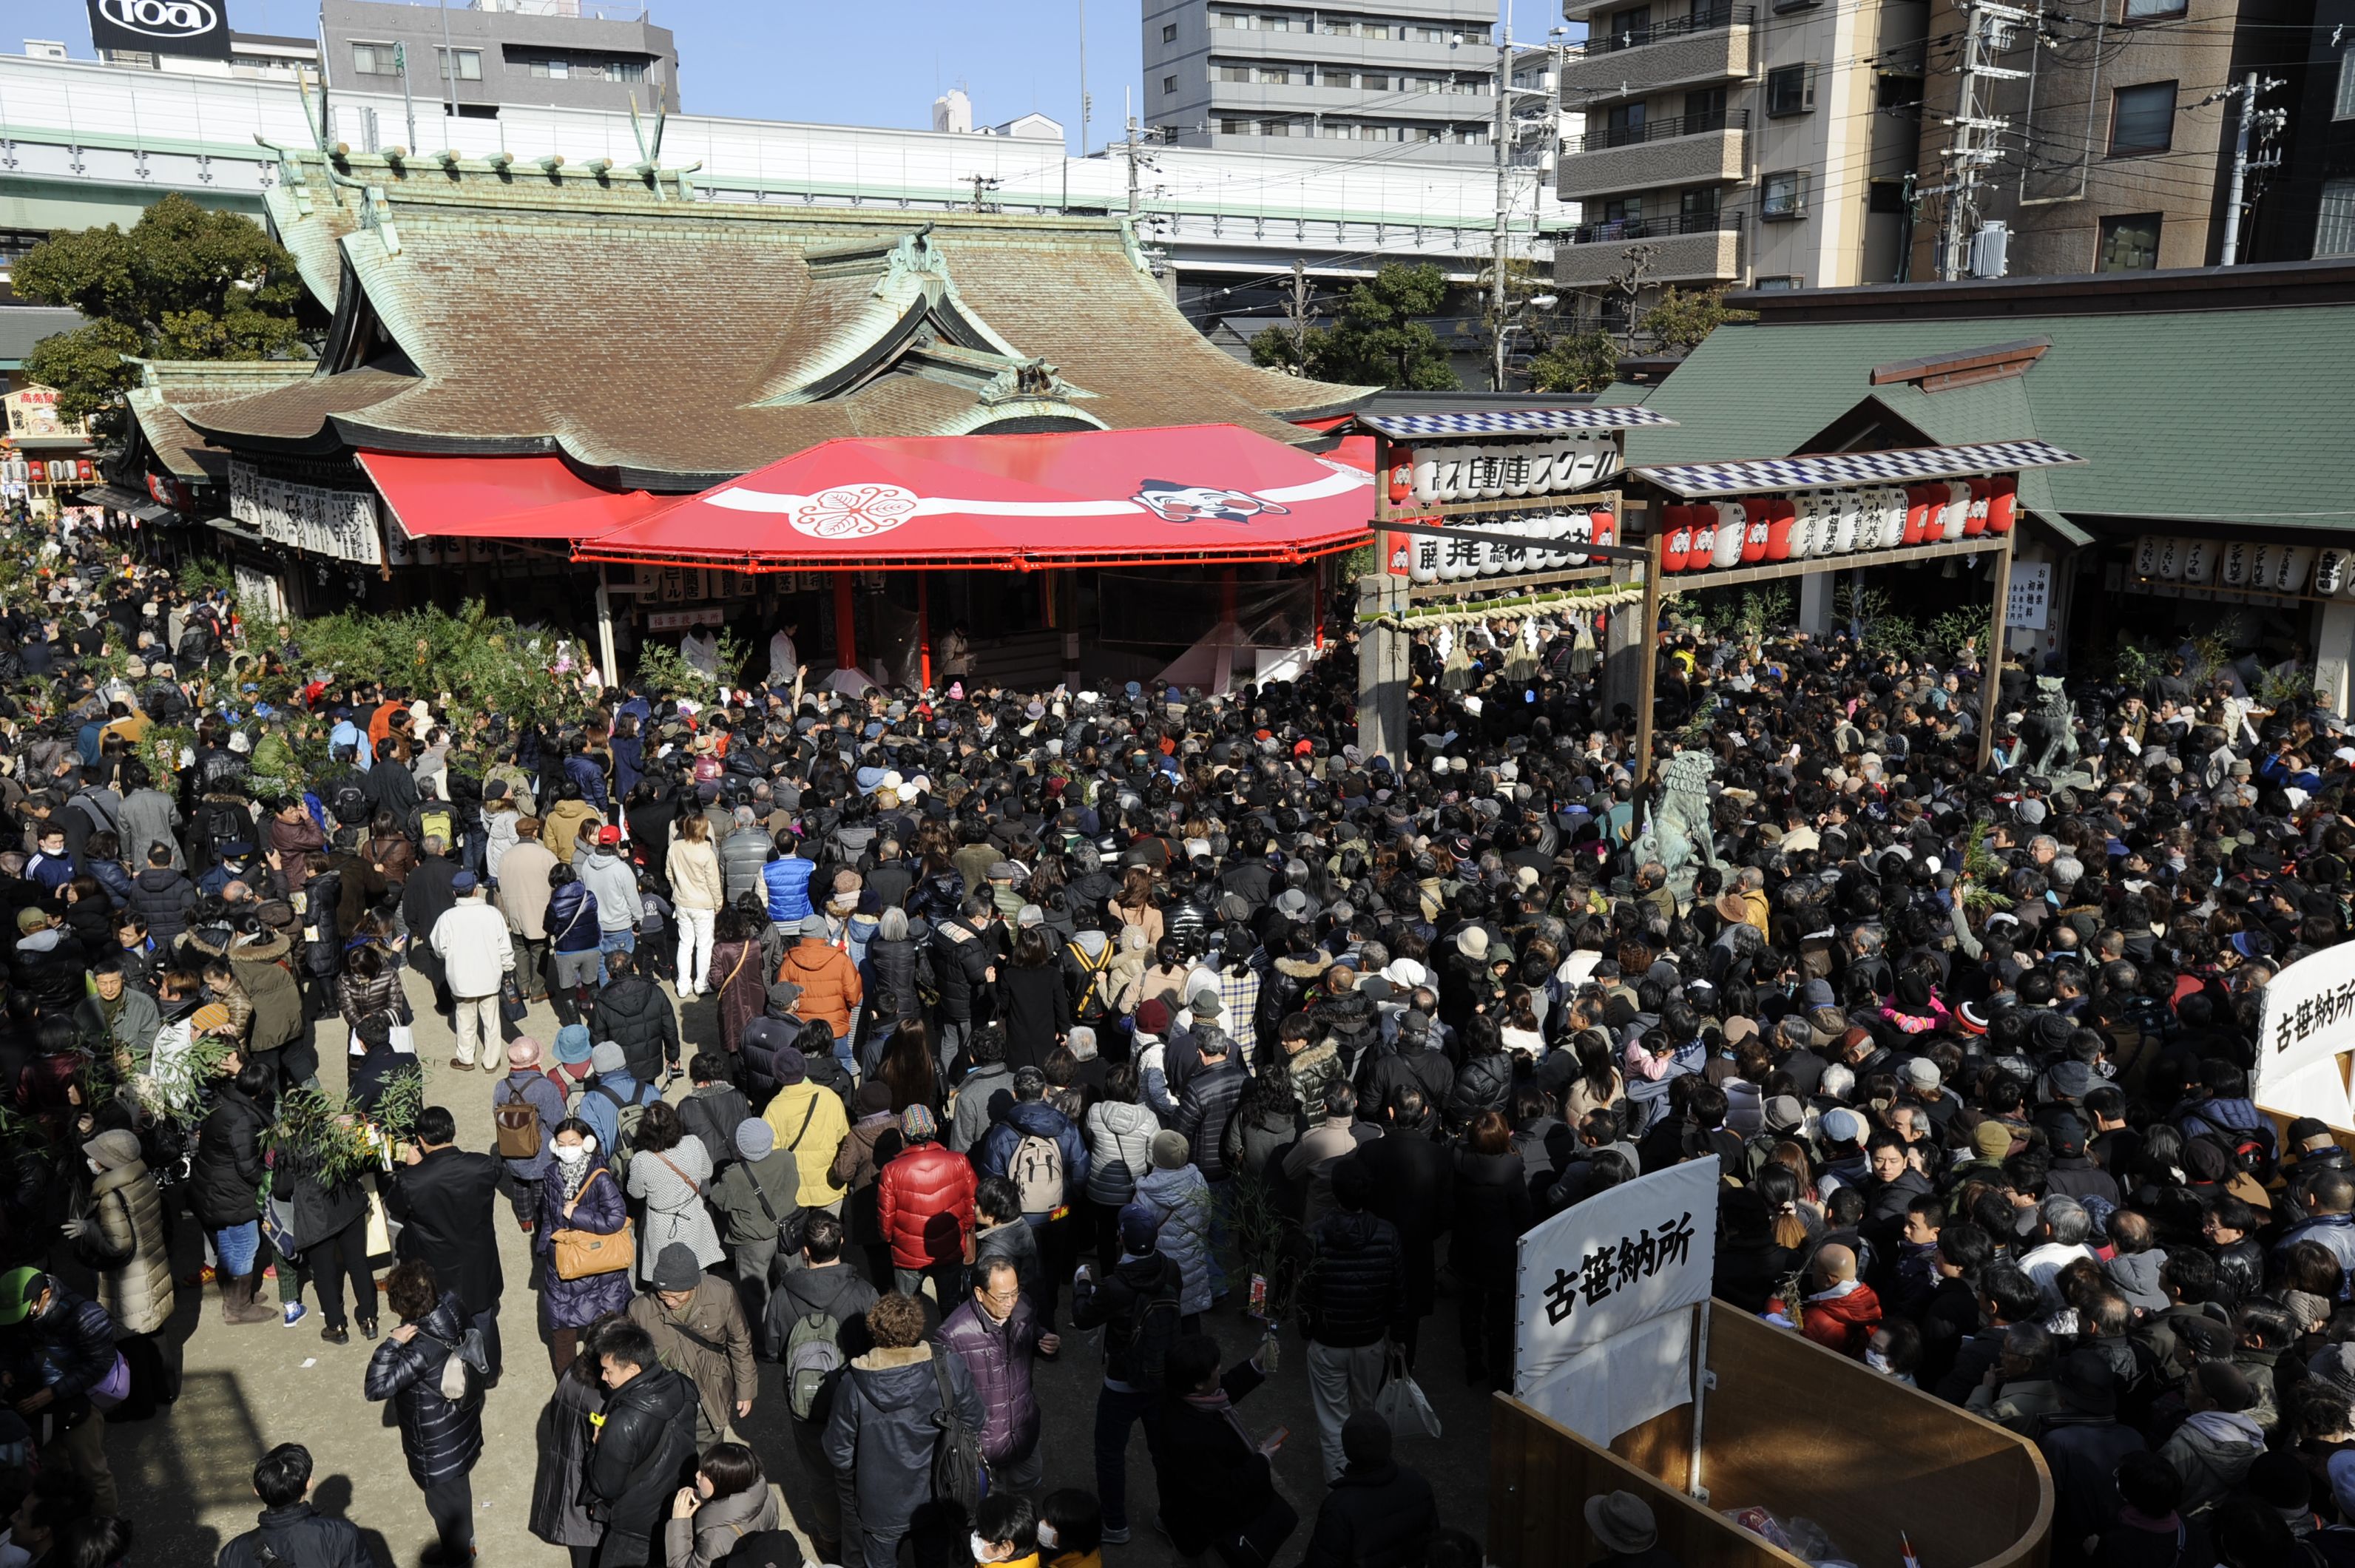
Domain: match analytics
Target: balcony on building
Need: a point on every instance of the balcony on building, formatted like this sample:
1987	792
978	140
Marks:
1688	150
1628	53
1679	248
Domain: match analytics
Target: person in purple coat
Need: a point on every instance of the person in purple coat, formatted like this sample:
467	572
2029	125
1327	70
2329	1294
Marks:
579	1193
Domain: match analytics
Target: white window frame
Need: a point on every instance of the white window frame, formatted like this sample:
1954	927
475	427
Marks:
2334	223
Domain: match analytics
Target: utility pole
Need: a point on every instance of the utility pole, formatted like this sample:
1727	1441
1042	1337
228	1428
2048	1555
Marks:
2251	87
449	68
1299	315
1975	130
401	63
981	183
1132	129
1504	200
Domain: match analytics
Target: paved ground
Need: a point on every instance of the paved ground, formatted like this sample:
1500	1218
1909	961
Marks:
185	1475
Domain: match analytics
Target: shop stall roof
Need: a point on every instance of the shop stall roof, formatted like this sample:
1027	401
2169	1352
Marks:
1844	470
1016	502
1454	422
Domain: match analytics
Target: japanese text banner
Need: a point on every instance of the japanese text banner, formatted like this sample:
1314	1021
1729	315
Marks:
1621	1258
2310	1023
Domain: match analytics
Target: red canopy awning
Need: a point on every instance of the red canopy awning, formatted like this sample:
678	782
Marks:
498	497
1197	493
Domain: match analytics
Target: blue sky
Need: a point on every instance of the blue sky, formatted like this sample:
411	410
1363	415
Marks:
872	62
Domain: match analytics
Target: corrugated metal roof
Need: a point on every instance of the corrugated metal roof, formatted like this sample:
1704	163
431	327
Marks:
2218	416
22	325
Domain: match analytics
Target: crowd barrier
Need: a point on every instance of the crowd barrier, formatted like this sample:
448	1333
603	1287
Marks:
1795	1429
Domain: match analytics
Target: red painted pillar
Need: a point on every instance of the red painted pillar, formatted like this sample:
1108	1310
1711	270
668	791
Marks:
924	628
846	638
1227	593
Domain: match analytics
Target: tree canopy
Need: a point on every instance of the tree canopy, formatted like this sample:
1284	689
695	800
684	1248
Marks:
183	282
1585	362
1681	320
1376	340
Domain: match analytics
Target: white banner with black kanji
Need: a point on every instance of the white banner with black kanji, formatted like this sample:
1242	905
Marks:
1636	1251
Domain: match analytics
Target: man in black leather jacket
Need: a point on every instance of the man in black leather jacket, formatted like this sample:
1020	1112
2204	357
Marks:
646	1450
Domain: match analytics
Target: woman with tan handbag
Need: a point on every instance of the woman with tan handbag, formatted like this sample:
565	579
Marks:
584	1240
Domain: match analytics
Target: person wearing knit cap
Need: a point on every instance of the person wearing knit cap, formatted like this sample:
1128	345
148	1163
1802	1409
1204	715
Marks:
810	1122
757	1199
697	1322
924	1204
524	1141
610	1090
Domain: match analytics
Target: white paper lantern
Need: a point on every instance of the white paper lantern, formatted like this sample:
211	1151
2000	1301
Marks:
1519	464
1732	529
1840	538
2291	563
2264	563
2329	571
1540	467
1803	529
2198	559
1426	475
2171	558
2147	556
2234	563
1422	559
1956	515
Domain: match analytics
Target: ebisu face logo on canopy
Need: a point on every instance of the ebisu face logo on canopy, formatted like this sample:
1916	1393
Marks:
165	26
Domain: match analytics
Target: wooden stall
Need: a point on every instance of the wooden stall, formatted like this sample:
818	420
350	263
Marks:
1799	1431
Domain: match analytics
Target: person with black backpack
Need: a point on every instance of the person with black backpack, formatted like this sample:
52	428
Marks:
906	1430
1138	1305
815	1324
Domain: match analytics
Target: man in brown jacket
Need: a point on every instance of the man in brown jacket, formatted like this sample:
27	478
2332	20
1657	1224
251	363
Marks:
697	1322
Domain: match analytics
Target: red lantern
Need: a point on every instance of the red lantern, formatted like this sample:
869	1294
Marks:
1401	474
2003	492
1921	504
1975	522
1757	521
1605	531
1676	541
1704	538
1781	516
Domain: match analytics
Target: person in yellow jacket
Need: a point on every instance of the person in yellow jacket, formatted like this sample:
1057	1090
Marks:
809	1120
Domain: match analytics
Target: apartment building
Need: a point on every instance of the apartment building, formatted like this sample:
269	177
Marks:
564	54
1763	145
1316	79
2110	145
2306	208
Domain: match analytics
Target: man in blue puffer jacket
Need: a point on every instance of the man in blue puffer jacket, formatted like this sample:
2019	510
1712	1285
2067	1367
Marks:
786	879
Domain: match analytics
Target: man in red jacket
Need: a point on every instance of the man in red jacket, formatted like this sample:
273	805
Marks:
924	1202
1843	1313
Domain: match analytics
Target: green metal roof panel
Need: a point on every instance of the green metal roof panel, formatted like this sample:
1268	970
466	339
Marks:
2196	416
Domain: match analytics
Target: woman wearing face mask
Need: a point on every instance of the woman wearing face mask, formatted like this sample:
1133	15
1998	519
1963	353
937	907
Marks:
579	1193
1004	1530
730	1500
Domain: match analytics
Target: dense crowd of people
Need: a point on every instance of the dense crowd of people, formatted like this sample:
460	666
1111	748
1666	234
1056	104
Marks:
1098	1024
